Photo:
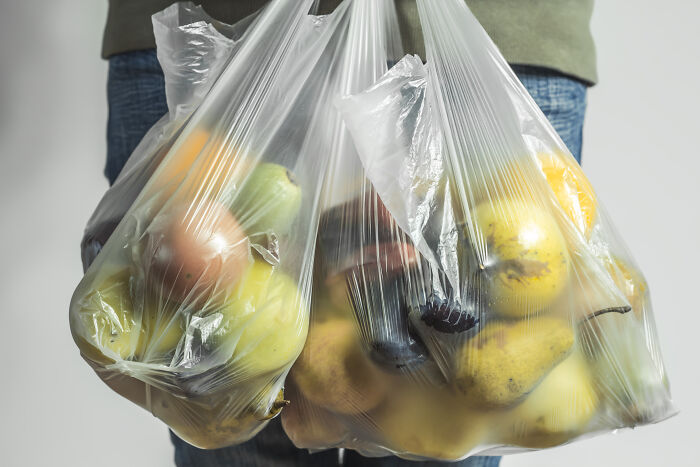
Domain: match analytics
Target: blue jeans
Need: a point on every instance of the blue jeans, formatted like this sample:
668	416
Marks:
136	97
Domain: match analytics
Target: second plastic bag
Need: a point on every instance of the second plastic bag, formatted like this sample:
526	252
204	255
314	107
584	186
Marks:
470	295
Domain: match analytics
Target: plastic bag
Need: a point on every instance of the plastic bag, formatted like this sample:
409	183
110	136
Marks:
197	305
474	298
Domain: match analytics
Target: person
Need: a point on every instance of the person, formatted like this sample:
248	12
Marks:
547	42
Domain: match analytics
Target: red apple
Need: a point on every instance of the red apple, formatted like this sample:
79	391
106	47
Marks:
196	252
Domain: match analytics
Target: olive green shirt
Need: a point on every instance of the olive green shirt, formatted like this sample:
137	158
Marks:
552	34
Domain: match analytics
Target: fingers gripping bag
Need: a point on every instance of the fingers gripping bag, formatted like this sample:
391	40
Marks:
472	297
192	50
198	303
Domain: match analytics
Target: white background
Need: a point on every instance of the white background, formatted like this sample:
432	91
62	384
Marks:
640	151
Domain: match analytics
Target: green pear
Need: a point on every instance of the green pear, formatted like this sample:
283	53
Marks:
506	359
558	409
269	200
264	321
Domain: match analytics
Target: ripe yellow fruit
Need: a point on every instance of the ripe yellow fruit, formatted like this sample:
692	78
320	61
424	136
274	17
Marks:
506	359
418	422
308	425
164	326
265	321
333	371
527	260
558	409
118	332
104	326
571	188
631	282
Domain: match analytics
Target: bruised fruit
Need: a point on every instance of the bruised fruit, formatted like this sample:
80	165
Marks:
263	321
378	304
447	316
269	200
525	258
558	409
333	371
506	359
196	252
571	188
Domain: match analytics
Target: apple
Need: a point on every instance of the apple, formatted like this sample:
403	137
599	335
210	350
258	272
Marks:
195	252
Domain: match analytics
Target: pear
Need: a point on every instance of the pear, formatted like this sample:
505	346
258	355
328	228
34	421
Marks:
310	426
263	322
631	282
269	200
526	257
217	421
631	380
506	359
430	422
105	327
164	325
558	409
334	373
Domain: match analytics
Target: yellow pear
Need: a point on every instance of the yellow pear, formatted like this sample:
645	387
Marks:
334	373
527	261
418	422
310	426
164	325
631	282
558	409
266	319
506	359
104	326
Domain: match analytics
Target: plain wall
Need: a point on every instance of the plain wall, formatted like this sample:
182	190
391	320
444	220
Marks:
639	151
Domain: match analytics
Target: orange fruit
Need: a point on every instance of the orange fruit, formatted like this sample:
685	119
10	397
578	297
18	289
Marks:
571	188
198	166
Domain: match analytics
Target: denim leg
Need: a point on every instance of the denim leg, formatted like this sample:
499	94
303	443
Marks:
136	96
562	100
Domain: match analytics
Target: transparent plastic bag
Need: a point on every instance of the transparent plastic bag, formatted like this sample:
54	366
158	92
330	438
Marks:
470	294
198	303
